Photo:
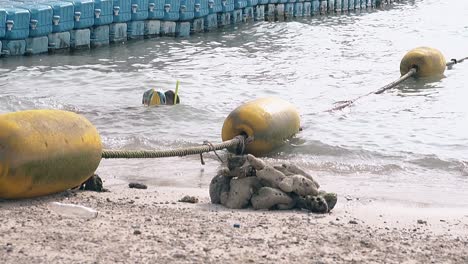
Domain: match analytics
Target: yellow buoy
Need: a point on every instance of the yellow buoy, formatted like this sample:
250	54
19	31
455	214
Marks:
428	61
270	121
45	151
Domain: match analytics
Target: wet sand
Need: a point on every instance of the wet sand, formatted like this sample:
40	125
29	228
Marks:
151	226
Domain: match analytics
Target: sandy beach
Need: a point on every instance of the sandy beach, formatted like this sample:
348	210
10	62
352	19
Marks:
151	226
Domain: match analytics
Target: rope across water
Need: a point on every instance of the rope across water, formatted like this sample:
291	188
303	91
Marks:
237	142
409	74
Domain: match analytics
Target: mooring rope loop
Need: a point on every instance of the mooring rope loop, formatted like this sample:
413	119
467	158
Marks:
455	61
409	74
237	143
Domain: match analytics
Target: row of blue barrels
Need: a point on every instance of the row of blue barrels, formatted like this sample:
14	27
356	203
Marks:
29	20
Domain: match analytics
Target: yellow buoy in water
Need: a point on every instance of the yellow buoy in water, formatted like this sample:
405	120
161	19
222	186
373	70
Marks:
45	151
270	121
429	62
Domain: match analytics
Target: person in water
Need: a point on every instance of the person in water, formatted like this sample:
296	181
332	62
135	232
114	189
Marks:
153	97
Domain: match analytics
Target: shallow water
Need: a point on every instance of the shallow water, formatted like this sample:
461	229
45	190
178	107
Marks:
408	145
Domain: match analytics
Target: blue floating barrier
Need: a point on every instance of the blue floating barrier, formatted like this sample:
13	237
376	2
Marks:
84	13
224	19
252	2
197	25
363	4
59	40
139	9
259	13
100	36
183	29
338	7
236	16
239	4
289	11
156	9
171	10
228	6
331	6
152	28
41	20
118	32
3	16
40	23
187	10
270	12
168	28
299	9
280	10
16	23
201	8
135	29
215	6
211	22
103	12
62	15
315	7
80	38
248	14
122	11
307	9
324	7
345	5
37	45
14	47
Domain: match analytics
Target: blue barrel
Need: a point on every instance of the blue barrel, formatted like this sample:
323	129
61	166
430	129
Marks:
3	16
239	4
187	10
84	13
17	21
40	18
156	9
171	10
62	15
345	5
215	6
252	2
201	8
228	5
263	2
139	9
103	12
122	11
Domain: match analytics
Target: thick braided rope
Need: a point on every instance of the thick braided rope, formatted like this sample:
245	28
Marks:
150	154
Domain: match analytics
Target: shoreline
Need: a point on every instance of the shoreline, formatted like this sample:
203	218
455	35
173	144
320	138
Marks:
150	225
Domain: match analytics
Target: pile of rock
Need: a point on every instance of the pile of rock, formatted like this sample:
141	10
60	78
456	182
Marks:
248	180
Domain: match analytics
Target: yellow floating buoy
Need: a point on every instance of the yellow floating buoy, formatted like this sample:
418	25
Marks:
428	61
46	151
270	121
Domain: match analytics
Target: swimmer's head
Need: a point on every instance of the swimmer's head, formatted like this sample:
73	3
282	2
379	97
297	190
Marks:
152	97
170	97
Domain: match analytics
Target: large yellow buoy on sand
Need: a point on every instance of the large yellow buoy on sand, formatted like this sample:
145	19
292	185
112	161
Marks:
45	151
429	62
270	121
